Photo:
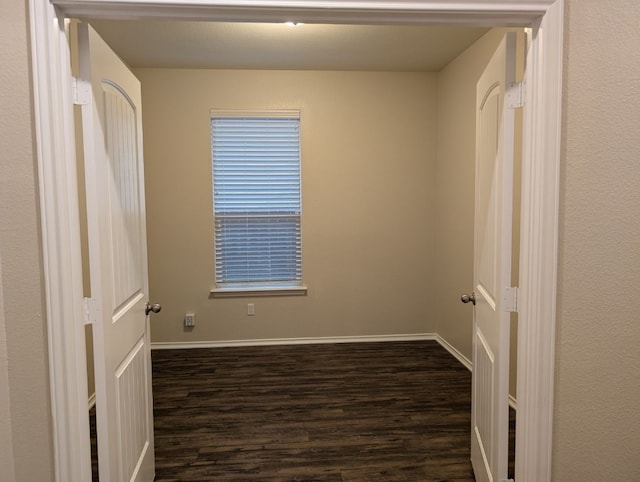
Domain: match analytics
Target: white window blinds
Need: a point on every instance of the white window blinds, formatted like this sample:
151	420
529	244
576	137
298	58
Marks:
256	198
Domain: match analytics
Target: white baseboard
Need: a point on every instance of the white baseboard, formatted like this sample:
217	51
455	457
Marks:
454	351
292	341
92	400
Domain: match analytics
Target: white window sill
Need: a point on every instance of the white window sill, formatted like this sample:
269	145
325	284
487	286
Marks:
237	292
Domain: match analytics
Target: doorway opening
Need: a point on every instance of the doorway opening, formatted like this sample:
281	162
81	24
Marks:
539	211
417	107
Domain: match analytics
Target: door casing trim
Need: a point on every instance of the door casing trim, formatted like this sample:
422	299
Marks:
56	164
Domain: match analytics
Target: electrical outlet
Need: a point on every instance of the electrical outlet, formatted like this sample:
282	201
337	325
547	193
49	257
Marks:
251	309
190	319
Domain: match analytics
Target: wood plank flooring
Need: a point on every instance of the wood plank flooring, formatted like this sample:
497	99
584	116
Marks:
390	412
342	412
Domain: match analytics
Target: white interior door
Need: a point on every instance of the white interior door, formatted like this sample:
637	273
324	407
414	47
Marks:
112	133
492	265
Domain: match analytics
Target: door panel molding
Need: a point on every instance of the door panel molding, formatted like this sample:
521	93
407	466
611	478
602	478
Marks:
117	257
55	147
493	215
133	410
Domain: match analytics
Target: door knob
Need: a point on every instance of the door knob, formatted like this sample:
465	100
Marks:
468	298
152	307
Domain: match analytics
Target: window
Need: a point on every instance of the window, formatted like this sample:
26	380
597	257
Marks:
256	200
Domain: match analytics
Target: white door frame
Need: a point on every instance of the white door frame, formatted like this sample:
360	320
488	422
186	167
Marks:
55	146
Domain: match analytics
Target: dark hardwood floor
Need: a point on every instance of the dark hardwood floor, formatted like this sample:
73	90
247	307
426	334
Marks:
341	412
393	411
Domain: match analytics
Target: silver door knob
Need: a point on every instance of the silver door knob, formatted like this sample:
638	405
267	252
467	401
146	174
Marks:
152	307
468	298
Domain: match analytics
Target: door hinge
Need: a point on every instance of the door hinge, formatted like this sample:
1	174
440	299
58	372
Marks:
89	309
510	299
515	95
80	91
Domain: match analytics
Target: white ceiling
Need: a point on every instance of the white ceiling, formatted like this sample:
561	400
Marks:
180	44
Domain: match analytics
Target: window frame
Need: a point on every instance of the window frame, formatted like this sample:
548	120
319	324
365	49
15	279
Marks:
258	288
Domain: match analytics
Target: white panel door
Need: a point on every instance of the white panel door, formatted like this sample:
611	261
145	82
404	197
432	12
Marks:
112	133
492	265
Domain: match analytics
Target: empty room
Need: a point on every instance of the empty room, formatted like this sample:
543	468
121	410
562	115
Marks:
307	230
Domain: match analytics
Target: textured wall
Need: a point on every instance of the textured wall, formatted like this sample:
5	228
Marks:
6	434
21	282
597	415
368	160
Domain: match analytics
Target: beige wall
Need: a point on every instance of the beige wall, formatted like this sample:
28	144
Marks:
6	439
25	438
368	166
597	415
